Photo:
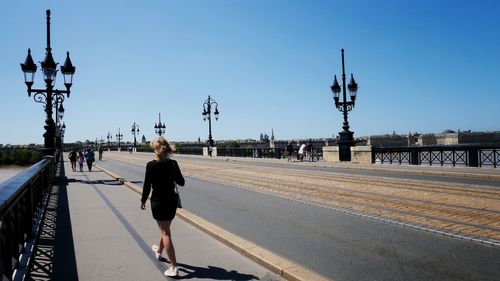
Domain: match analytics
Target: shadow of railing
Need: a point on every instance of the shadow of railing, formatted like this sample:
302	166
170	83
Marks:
54	252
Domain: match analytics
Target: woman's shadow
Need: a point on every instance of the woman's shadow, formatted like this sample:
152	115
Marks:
212	272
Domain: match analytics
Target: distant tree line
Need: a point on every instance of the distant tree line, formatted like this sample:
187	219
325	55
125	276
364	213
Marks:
19	156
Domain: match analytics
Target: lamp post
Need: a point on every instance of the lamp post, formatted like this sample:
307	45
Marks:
160	127
135	130
346	139
109	137
207	114
46	96
119	137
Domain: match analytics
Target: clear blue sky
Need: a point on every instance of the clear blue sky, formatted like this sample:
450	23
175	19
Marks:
422	66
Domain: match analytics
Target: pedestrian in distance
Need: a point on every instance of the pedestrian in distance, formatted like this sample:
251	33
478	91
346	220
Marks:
72	158
80	159
101	150
289	151
90	158
308	151
210	149
301	152
162	175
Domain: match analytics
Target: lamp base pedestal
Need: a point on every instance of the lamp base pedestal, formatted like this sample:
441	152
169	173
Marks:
49	143
346	140
47	151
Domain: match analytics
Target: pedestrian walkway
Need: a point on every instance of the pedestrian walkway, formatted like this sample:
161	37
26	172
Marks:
105	236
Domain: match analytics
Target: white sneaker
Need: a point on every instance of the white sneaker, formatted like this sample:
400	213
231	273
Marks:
171	272
155	250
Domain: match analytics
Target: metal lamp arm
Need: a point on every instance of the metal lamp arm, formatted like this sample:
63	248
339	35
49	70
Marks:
349	106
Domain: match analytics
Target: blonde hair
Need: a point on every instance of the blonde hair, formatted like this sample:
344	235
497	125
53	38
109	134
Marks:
162	148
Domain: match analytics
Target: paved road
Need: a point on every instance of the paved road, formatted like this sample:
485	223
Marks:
337	245
455	208
381	172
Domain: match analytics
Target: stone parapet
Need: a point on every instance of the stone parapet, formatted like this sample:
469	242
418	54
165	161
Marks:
214	151
331	154
361	154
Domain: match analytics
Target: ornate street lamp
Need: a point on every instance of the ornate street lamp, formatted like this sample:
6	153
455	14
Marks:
119	137
346	139
207	114
109	137
135	130
47	95
160	127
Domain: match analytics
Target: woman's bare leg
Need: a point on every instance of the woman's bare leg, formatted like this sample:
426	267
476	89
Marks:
160	245
166	241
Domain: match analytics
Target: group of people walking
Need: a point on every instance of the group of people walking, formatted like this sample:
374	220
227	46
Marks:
76	156
305	149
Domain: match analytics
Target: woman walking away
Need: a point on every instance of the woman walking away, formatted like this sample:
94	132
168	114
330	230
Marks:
80	159
161	175
72	159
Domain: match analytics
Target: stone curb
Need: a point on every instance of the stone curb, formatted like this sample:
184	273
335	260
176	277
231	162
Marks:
279	265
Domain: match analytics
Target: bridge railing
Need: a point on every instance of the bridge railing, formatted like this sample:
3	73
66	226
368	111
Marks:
20	204
250	152
442	155
316	154
278	153
189	150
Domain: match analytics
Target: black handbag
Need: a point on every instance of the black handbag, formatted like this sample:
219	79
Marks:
179	203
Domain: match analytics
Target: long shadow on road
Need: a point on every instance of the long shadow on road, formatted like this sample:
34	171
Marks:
193	272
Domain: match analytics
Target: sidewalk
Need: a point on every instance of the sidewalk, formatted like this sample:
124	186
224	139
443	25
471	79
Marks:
110	238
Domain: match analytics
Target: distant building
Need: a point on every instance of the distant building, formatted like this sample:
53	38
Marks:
468	137
387	140
264	137
447	137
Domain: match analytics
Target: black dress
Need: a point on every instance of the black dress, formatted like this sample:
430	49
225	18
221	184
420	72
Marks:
161	175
